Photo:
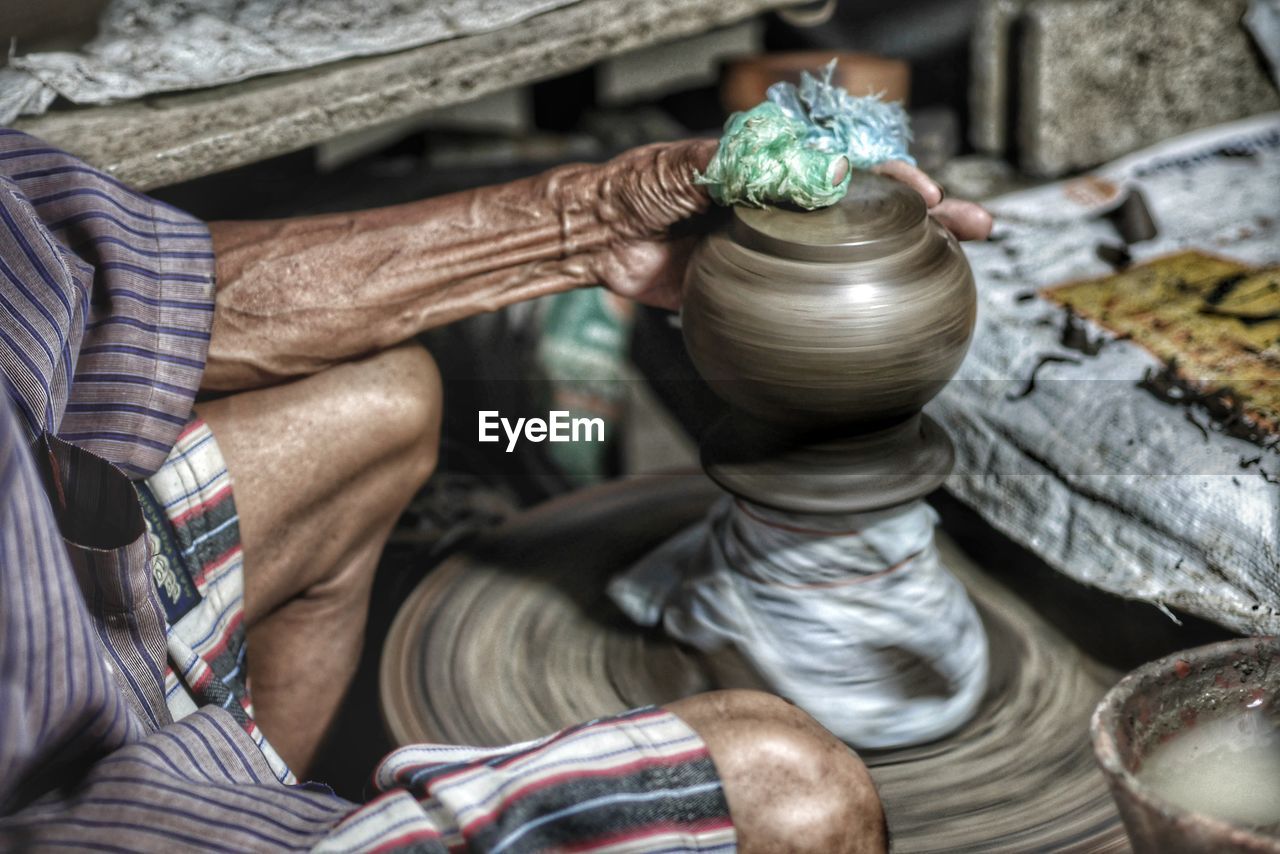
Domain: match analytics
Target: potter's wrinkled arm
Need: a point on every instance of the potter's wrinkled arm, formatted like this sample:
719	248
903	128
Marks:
296	296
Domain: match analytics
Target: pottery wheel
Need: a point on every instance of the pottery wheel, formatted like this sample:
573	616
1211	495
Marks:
513	638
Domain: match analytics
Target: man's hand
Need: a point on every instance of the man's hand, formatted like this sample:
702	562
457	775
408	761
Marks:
643	193
966	220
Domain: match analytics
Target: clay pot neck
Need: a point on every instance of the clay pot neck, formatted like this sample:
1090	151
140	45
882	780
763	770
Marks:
878	217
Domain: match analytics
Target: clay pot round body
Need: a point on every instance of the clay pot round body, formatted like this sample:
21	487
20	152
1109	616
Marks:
848	316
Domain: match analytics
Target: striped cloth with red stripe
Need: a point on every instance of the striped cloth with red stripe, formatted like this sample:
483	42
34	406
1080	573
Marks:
638	782
206	646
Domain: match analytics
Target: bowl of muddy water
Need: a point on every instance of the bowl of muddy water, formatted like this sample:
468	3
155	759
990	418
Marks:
1190	746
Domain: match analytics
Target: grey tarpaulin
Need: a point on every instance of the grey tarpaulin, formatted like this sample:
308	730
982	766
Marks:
1104	481
149	46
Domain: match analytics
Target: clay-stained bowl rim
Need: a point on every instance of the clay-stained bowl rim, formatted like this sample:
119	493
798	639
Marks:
1105	722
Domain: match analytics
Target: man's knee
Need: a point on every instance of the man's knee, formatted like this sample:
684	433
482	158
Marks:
405	400
790	784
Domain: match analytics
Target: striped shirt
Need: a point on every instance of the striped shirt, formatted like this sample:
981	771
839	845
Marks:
106	303
106	307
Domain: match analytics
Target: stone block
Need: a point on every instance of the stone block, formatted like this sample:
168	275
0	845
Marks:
1096	79
989	74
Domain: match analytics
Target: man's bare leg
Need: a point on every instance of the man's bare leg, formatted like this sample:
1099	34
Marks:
322	468
791	785
348	448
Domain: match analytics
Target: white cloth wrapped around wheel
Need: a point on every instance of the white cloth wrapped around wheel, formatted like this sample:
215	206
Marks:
853	618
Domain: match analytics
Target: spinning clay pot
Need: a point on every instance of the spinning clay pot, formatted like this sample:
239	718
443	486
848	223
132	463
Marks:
850	316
